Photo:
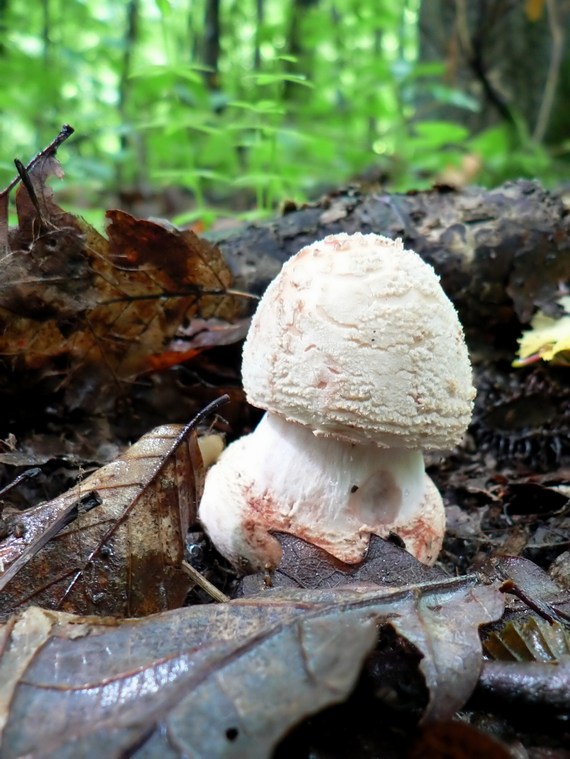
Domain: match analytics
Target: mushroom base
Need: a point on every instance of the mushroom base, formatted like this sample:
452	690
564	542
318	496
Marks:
330	493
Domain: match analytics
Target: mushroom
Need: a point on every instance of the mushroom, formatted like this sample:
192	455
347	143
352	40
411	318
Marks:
358	358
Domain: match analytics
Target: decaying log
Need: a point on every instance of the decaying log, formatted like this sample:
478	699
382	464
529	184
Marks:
500	253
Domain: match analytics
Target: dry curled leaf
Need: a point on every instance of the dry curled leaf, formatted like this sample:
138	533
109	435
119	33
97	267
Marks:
528	587
227	680
114	543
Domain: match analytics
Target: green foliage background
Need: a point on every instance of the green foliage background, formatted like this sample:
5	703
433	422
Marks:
271	123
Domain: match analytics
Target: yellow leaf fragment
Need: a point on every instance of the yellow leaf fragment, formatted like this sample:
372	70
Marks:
549	339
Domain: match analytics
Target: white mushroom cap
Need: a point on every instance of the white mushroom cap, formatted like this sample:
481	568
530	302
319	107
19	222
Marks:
331	493
355	338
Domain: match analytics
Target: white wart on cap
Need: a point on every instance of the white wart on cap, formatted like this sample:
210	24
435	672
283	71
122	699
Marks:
359	359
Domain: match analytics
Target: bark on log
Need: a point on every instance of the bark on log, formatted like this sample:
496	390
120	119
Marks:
500	253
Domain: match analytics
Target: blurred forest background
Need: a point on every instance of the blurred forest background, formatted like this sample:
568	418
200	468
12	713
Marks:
194	109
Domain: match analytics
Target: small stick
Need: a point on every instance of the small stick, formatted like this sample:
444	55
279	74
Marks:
27	182
190	290
543	610
206	585
65	132
28	474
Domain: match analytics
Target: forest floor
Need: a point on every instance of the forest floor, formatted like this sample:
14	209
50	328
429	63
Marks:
506	488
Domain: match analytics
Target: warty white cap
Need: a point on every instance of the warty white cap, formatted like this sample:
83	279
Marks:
356	339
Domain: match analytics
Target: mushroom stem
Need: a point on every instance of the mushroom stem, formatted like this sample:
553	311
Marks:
329	492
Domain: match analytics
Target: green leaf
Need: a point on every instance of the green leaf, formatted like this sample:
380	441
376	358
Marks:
261	107
164	7
263	79
441	132
453	96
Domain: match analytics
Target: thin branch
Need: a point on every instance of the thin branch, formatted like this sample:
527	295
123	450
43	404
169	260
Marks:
65	132
474	50
28	474
167	294
27	182
205	584
462	28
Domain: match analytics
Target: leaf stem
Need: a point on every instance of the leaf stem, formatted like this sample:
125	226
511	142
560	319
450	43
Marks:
206	585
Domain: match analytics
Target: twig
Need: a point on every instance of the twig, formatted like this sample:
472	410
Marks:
544	610
27	182
65	132
206	585
211	408
189	290
27	475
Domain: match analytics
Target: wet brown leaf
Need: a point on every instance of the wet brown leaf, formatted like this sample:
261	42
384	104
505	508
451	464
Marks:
456	740
114	543
528	587
226	680
70	298
200	334
303	565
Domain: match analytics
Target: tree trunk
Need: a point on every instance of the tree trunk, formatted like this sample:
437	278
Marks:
211	49
497	52
3	26
46	36
259	18
129	42
296	48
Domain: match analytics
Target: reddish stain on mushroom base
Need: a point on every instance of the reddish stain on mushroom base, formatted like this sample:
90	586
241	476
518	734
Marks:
256	534
422	536
421	539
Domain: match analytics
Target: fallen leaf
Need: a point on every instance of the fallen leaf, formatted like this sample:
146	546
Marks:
456	739
531	639
114	543
304	565
225	680
76	304
548	339
200	334
528	588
